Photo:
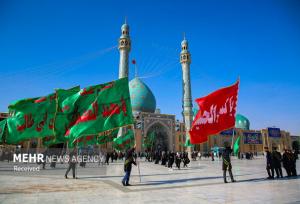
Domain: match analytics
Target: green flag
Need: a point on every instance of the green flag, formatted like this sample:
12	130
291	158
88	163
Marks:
83	141
104	137
63	120
188	142
236	146
101	108
125	141
107	136
31	118
148	142
2	130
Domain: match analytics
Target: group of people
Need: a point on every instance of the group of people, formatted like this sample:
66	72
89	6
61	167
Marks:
113	156
168	159
247	155
274	160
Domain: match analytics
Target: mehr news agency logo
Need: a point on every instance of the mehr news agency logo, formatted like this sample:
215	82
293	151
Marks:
39	158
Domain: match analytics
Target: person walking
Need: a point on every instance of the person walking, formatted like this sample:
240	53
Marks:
171	160
186	159
72	163
178	160
128	166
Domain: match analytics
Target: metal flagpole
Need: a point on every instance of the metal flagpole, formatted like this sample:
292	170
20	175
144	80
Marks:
138	162
76	170
232	138
99	153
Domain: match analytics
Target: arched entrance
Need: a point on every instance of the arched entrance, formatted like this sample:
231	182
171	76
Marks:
161	138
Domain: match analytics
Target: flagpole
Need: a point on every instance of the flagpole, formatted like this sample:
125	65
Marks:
76	170
232	138
99	148
138	162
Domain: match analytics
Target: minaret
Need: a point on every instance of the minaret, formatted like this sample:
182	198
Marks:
124	47
185	60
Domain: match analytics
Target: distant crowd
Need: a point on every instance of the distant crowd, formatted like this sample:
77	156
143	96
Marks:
275	160
167	159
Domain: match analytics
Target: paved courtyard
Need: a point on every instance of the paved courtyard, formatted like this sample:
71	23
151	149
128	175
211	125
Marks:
201	182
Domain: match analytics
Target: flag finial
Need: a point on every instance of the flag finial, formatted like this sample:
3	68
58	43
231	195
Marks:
135	68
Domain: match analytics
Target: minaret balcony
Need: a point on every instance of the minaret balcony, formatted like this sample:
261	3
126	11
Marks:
124	43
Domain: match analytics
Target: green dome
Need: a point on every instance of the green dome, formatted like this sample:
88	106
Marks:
195	111
242	122
142	98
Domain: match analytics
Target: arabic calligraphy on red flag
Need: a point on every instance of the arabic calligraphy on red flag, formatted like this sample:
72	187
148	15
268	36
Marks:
216	113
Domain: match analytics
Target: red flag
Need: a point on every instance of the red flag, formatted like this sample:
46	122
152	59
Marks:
216	113
133	61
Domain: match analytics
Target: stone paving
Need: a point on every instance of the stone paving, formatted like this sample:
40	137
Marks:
201	182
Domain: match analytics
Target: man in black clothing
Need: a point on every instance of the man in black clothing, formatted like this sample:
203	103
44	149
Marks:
107	158
293	162
164	158
178	160
276	156
128	166
186	159
72	163
171	160
227	163
286	161
269	163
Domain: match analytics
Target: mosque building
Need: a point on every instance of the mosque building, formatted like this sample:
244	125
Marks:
170	134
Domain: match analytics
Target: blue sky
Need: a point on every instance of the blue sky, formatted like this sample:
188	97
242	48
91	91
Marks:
60	44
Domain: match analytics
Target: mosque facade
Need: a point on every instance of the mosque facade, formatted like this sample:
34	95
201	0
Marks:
170	134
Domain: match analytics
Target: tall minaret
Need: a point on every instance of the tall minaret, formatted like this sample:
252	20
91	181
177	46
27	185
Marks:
185	60
124	47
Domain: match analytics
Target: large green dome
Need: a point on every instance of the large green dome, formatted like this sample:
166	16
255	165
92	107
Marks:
142	98
242	122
